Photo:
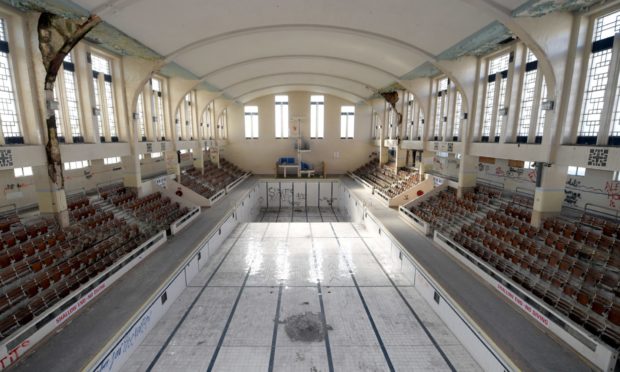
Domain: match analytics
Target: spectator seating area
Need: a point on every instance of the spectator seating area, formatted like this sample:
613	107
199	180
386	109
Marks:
572	265
41	263
214	179
155	211
385	179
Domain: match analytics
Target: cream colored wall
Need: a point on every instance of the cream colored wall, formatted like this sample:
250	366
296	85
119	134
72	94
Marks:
260	155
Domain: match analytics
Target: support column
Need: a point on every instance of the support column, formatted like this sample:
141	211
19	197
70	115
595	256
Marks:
468	174
426	164
132	174
52	200
401	158
199	156
549	195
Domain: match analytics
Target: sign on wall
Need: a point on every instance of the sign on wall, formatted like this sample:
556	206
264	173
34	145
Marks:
6	158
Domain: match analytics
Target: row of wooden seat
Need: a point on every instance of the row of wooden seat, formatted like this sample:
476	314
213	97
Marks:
23	233
212	180
8	220
579	277
386	179
77	202
45	290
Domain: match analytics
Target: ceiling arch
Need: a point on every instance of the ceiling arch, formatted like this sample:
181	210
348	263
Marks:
295	74
292	87
360	91
287	28
296	58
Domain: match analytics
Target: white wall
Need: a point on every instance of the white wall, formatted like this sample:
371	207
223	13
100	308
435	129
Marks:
260	155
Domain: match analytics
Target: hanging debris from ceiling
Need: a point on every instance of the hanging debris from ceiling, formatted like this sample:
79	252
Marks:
57	36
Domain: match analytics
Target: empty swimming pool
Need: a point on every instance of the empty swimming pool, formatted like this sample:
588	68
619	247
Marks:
300	297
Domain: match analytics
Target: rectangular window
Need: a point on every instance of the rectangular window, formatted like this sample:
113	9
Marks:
71	165
155	155
189	117
103	90
441	104
542	114
420	124
157	108
177	124
281	103
527	102
616	176
8	105
251	121
495	110
347	121
22	172
140	118
317	116
458	113
488	109
605	28
99	117
71	97
576	171
112	160
528	165
411	119
501	106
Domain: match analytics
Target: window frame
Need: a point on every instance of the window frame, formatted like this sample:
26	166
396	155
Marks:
496	132
14	73
610	93
317	117
537	114
102	84
575	171
23	172
280	122
251	128
349	123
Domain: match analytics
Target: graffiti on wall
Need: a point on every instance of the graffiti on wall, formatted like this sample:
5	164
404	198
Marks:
504	172
576	191
613	192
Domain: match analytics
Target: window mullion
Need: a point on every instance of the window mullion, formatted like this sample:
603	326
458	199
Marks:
63	106
496	93
147	109
103	106
531	135
610	94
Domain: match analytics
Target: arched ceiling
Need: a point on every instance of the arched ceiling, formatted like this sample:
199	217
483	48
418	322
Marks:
242	47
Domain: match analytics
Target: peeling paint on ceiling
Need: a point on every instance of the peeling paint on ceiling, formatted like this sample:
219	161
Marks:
426	69
174	70
104	35
539	8
483	42
208	87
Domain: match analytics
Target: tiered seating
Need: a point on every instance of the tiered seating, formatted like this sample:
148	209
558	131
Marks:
385	179
156	210
48	263
109	190
213	180
153	210
574	266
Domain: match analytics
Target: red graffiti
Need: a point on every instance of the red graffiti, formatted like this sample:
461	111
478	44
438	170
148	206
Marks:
532	175
13	354
613	192
499	172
